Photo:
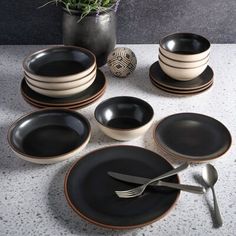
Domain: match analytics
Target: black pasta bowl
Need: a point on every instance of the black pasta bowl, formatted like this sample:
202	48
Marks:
59	64
49	135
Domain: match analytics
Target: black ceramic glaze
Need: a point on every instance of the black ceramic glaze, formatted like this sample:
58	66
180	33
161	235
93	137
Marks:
96	33
92	91
161	78
48	133
75	106
185	43
193	135
123	112
181	92
59	61
90	191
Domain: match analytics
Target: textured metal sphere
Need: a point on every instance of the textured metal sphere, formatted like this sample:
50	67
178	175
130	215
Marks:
121	62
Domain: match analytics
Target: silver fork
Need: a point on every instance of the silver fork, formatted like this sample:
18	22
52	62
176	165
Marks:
135	192
183	187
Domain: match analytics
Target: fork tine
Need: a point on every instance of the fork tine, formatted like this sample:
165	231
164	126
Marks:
121	195
130	193
124	193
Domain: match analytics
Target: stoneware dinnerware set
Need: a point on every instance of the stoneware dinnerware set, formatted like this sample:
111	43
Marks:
67	77
62	76
182	67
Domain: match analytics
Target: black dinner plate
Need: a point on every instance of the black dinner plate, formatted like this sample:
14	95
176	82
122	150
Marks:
192	136
49	134
90	191
92	91
161	78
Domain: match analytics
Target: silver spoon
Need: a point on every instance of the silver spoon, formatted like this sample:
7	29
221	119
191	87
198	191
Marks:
210	176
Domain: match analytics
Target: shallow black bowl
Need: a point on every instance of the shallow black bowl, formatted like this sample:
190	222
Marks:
49	135
185	47
124	118
60	64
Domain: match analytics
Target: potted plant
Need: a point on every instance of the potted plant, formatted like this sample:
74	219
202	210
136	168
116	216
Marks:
90	24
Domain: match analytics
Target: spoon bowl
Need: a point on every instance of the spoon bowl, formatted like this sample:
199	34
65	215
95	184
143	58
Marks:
210	177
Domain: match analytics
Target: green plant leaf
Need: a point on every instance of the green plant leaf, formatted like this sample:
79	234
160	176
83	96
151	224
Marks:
105	3
85	6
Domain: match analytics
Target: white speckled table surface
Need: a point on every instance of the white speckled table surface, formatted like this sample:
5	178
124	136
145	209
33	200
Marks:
32	201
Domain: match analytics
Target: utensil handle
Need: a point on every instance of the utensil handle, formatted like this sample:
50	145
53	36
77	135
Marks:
184	187
217	211
169	173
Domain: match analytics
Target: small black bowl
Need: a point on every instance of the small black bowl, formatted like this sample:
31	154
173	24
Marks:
49	135
124	118
185	47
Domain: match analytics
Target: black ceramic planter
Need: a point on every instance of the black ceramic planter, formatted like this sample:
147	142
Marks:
96	33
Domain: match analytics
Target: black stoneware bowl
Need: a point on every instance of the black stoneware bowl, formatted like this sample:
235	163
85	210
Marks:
186	47
49	135
124	118
59	64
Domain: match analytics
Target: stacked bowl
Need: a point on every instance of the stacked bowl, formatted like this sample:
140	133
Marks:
184	56
60	71
64	76
182	66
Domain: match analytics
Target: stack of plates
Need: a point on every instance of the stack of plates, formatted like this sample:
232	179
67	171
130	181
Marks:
192	137
184	56
80	100
63	76
167	84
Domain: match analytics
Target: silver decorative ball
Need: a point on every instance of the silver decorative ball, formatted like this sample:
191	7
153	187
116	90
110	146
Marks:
122	62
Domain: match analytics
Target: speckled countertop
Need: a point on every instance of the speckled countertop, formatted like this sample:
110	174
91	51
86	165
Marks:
32	201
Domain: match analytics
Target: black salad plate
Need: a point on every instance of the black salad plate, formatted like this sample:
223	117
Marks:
92	91
90	191
192	136
59	61
49	134
161	78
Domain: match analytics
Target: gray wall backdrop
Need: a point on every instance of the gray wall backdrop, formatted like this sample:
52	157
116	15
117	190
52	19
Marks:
139	21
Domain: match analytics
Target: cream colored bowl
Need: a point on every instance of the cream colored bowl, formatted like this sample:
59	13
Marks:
182	64
61	93
182	74
62	85
186	47
124	118
185	57
125	135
